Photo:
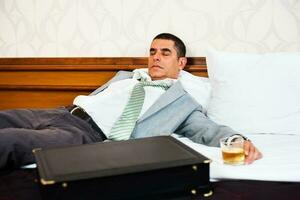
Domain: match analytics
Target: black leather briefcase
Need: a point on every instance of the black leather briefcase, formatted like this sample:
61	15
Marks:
150	168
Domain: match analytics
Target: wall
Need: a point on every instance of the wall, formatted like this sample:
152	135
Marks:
64	28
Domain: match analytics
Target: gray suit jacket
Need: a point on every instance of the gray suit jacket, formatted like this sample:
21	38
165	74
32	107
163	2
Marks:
175	112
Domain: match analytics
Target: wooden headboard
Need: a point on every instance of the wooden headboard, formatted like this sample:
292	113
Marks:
54	82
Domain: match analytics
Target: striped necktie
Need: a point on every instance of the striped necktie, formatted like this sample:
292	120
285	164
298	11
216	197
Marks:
125	124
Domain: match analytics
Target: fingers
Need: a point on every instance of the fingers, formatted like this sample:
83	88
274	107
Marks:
251	152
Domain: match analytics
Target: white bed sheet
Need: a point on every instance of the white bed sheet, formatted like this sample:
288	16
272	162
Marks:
280	162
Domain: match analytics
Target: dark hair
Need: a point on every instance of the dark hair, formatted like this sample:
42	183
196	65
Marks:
179	45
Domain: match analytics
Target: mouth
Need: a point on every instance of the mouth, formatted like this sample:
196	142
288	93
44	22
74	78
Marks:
156	66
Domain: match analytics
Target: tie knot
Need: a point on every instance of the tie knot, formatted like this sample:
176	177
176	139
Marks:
160	84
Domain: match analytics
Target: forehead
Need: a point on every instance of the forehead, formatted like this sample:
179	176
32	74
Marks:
162	44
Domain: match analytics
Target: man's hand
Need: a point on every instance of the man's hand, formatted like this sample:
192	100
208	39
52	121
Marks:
251	152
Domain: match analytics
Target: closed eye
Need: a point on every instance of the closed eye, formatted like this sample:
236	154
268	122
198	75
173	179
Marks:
152	51
166	52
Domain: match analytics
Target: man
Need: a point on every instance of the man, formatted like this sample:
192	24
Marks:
167	108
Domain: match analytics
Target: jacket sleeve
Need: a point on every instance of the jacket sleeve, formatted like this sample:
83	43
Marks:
120	75
200	129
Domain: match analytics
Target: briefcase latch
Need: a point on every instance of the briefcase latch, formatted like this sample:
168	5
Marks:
47	182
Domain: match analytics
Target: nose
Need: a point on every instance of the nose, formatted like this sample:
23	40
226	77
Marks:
156	57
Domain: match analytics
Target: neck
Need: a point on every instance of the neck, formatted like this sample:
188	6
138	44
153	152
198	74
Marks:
163	78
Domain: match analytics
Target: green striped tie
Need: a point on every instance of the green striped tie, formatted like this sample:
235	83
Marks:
124	125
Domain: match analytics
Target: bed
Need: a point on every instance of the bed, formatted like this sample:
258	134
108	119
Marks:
24	81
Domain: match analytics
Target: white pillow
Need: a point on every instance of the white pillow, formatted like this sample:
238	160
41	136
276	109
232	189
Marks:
198	87
255	93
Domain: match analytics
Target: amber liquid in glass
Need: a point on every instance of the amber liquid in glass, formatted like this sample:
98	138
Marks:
233	156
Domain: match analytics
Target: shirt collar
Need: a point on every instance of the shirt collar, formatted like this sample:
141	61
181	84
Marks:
143	74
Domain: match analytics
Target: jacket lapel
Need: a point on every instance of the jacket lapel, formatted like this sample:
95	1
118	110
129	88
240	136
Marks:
121	75
173	93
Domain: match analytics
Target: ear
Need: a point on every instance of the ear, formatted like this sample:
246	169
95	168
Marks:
182	62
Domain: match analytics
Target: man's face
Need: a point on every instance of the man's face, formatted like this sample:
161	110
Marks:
163	61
